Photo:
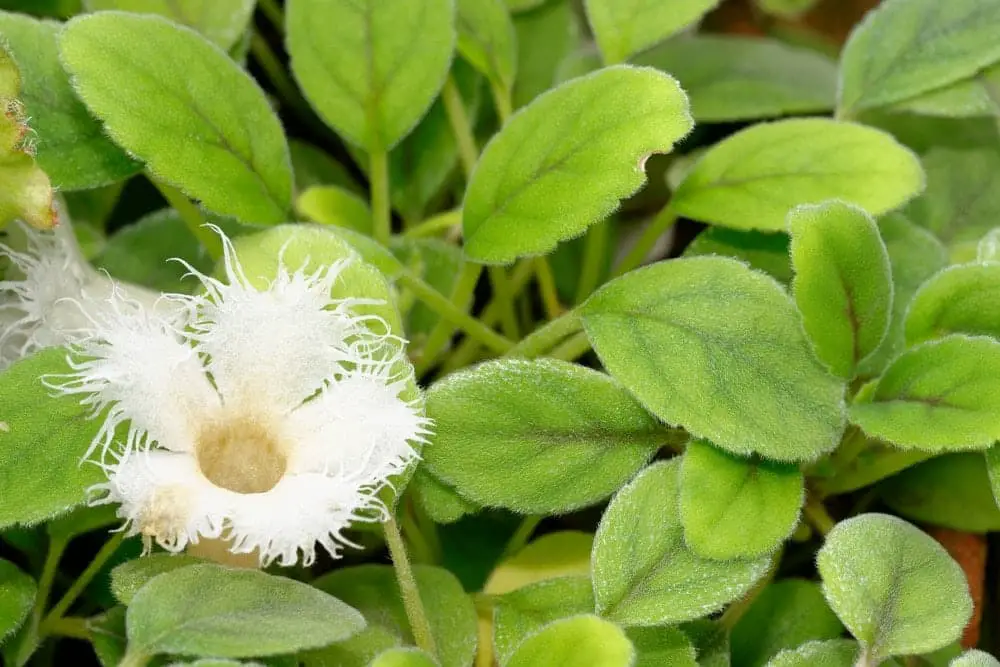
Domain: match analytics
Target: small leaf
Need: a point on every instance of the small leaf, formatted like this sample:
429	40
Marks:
731	78
895	588
843	283
942	395
130	576
313	166
734	508
191	124
975	658
371	69
404	657
581	640
829	653
539	436
527	610
442	504
907	47
762	251
212	610
564	162
752	179
785	614
711	642
545	36
40	449
958	299
643	573
676	332
662	647
625	27
565	553
221	21
333	205
486	39
17	595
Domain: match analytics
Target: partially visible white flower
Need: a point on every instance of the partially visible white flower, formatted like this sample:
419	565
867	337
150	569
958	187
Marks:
268	418
56	293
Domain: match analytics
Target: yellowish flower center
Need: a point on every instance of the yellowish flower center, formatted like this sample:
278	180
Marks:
242	454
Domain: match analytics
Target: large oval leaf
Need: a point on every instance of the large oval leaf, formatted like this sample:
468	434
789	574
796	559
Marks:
580	640
895	588
943	395
371	68
565	161
17	593
624	27
959	299
213	610
752	179
643	572
539	436
907	47
200	123
717	348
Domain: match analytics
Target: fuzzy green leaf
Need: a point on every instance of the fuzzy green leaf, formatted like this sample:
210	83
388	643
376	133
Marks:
404	657
130	576
440	501
643	572
959	299
762	251
710	345
486	39
625	27
374	591
337	206
563	163
221	21
785	614
17	594
966	98
711	642
541	436
371	69
735	508
732	78
200	123
829	653
894	587
581	640
545	36
843	283
908	47
975	658
73	149
752	179
942	395
212	610
525	611
41	448
662	647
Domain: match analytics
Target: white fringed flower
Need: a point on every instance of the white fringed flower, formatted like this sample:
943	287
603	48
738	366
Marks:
268	418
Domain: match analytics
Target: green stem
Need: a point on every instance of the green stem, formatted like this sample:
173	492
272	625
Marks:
435	225
61	607
816	514
593	261
192	217
461	297
57	545
419	624
521	535
663	221
420	547
572	348
273	13
378	175
135	659
547	288
454	108
547	337
70	626
501	292
501	100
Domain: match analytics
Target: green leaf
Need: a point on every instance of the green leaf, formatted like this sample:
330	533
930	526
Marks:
545	36
337	206
41	447
564	553
623	28
525	611
564	162
221	21
914	255
107	635
785	614
752	179
486	39
581	640
829	653
942	395
735	508
440	501
73	149
130	576
894	587
439	264
952	491
371	69
374	591
312	166
523	5
212	610
967	98
191	124
787	9
643	572
711	642
908	47
370	251
843	283
958	299
17	595
538	437
993	471
732	78
975	658
404	657
708	344
762	251
662	647
83	519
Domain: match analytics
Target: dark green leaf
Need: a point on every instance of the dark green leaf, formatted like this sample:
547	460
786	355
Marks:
17	594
